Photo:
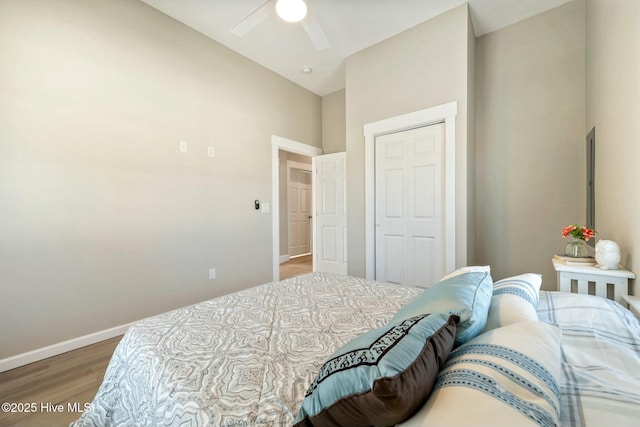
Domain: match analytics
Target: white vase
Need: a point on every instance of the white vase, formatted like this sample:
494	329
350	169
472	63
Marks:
608	254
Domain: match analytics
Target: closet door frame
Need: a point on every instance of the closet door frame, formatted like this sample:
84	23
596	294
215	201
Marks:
442	113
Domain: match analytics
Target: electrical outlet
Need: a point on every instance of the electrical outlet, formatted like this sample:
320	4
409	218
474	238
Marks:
212	273
183	146
211	152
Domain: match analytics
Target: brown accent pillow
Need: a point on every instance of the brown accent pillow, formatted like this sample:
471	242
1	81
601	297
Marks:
382	377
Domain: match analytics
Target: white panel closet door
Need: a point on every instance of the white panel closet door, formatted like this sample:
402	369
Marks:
299	201
330	222
409	179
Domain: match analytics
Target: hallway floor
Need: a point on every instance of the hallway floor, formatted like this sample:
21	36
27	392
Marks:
296	267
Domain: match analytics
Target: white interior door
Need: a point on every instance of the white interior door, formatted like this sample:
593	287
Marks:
409	207
299	211
330	207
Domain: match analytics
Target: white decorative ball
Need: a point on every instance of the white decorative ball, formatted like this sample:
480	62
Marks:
608	254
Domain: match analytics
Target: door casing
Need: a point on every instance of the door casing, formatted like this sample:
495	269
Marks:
442	113
279	143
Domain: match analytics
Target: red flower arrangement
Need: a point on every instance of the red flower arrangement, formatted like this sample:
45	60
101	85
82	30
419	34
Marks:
578	232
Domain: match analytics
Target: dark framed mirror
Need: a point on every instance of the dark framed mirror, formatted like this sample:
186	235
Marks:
591	169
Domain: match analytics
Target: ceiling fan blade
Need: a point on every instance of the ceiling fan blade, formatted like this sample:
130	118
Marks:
258	15
315	32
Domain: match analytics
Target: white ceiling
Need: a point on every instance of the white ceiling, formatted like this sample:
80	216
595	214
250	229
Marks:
350	26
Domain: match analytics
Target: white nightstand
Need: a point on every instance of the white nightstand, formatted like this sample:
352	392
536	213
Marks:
634	304
583	276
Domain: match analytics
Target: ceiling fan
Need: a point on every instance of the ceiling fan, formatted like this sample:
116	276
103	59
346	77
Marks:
308	20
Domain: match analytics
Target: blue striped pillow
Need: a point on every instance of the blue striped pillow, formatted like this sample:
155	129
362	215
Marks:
514	299
509	376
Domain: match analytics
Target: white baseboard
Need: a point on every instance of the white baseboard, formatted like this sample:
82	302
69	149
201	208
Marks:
284	258
300	256
59	348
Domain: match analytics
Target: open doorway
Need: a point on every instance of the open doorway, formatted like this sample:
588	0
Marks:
296	219
284	147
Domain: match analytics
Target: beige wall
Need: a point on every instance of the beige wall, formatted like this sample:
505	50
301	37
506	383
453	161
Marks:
530	140
334	131
613	107
420	68
102	220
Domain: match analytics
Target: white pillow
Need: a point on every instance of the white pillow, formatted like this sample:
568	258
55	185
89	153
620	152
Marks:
468	269
514	299
506	377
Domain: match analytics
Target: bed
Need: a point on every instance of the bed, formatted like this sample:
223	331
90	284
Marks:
259	356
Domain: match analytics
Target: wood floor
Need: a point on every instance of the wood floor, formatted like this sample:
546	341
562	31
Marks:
52	392
295	267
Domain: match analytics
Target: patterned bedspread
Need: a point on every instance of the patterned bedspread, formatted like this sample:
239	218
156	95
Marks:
244	359
600	359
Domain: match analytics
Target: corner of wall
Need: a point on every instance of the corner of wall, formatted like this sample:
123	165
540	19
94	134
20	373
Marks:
471	142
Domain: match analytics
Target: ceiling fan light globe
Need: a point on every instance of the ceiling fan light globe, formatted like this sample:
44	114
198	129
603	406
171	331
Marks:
291	10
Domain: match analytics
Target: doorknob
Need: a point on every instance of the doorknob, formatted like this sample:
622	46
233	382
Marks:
310	216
